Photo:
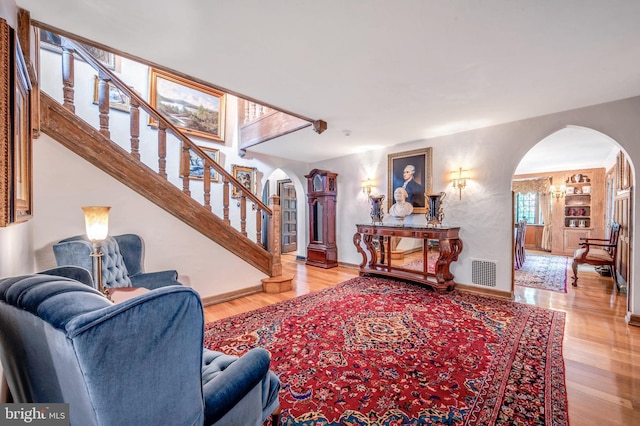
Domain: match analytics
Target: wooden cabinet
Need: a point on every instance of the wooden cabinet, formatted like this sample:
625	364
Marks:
582	214
577	202
321	195
572	236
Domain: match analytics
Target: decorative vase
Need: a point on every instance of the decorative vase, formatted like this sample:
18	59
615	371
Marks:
433	212
377	213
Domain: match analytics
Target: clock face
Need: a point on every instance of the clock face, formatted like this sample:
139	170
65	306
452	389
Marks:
317	183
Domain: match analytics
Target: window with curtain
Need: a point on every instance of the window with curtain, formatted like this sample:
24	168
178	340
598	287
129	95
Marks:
533	204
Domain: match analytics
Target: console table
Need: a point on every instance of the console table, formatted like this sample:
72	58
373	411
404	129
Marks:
374	243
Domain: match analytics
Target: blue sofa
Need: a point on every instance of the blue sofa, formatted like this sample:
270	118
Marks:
140	362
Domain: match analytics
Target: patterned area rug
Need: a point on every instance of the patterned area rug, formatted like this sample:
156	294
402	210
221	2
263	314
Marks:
376	351
543	272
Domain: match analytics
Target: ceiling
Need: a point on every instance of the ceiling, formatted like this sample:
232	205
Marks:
382	72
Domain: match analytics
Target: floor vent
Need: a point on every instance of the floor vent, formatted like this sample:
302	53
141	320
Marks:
483	272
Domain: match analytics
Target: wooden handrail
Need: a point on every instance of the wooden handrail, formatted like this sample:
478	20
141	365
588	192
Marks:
163	122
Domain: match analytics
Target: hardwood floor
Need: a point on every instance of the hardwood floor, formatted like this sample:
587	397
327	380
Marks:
601	352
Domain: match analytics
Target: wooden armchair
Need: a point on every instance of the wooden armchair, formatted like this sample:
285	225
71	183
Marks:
598	252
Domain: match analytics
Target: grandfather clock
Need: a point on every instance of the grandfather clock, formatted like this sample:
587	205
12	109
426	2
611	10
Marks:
321	195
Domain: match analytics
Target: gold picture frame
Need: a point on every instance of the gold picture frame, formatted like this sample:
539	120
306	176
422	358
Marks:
117	99
194	108
246	176
6	138
21	150
418	160
196	165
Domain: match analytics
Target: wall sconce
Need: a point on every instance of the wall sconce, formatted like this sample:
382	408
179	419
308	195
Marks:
558	193
96	219
366	186
459	182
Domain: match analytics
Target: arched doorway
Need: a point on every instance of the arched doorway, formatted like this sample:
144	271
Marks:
570	159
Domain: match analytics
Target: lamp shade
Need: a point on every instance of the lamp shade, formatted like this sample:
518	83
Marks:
96	219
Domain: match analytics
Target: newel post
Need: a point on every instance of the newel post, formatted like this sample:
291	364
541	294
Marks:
274	235
276	283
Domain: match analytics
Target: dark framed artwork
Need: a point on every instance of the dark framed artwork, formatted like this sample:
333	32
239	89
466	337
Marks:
194	108
196	164
246	176
413	171
53	42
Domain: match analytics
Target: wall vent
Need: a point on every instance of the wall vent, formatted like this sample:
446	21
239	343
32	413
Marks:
483	272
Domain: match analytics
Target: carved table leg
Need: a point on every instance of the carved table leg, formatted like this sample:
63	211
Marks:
357	238
449	251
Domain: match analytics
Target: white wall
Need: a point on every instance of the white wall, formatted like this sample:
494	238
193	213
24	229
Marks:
491	155
63	182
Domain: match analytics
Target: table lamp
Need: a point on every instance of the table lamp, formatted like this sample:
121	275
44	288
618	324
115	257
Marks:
96	220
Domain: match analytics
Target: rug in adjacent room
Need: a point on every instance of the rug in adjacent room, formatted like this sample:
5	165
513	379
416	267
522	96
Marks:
376	351
543	272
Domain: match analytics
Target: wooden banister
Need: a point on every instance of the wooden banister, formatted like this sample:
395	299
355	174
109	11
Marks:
107	77
163	122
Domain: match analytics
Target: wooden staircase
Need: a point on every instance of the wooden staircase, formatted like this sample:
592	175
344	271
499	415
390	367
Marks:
95	145
87	142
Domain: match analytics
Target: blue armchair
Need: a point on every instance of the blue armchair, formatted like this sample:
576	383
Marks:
122	261
134	363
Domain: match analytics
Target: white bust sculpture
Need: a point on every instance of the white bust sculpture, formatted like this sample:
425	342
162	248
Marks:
401	208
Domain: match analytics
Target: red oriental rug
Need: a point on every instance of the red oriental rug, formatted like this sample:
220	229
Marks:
377	351
543	272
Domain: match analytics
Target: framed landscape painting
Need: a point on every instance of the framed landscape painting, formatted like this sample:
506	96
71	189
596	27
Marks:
411	170
193	108
196	164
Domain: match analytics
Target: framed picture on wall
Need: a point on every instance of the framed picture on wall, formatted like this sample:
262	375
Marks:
194	108
411	170
196	164
21	147
246	176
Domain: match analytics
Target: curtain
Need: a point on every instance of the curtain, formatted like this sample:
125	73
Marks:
541	187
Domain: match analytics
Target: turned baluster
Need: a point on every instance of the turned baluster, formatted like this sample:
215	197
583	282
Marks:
185	167
68	79
135	129
243	214
246	112
258	224
162	150
225	202
207	186
103	105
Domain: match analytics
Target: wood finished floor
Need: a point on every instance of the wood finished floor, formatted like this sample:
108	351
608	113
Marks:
601	352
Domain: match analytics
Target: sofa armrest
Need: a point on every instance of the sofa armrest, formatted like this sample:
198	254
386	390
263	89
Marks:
233	382
153	280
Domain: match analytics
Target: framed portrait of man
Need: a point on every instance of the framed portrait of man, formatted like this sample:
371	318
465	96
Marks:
412	171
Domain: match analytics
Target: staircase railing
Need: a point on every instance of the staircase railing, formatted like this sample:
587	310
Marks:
164	126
